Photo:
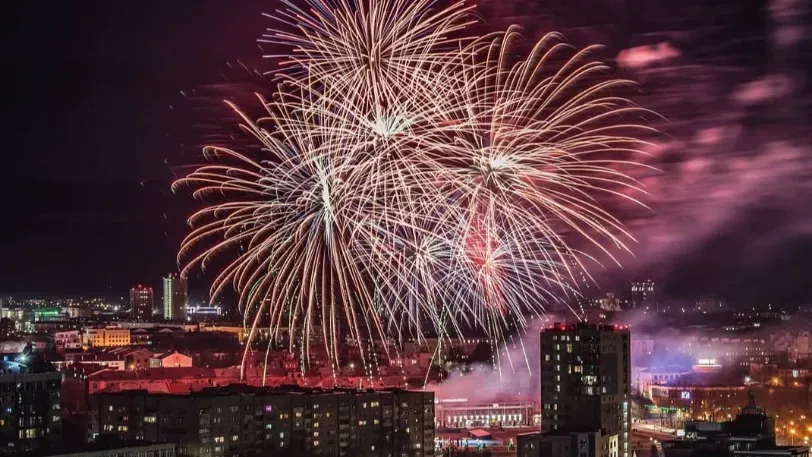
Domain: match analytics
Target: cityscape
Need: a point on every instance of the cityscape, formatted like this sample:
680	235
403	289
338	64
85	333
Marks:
648	380
409	228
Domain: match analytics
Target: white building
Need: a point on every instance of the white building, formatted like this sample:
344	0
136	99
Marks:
170	360
71	339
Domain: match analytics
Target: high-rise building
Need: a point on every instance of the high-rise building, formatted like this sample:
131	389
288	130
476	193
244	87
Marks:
175	297
245	421
585	393
141	300
642	293
29	405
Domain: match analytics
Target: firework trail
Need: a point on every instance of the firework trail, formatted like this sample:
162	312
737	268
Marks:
411	182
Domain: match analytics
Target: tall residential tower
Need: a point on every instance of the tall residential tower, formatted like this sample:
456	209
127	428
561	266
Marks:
585	393
175	297
141	303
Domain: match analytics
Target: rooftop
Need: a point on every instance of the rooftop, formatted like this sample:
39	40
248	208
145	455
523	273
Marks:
581	326
236	389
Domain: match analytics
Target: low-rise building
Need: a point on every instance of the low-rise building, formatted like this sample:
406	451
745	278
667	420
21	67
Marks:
751	434
106	337
171	359
68	340
162	380
461	413
116	449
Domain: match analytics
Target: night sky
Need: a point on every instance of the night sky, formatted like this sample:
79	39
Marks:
94	140
110	100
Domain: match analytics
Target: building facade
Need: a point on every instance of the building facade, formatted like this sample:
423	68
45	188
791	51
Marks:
172	359
245	421
68	340
106	337
586	386
460	413
120	450
568	444
141	303
29	409
175	297
642	293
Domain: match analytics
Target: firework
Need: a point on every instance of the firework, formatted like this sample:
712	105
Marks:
526	149
413	183
368	52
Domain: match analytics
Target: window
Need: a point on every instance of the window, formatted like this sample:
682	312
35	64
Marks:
149	419
219	439
235	437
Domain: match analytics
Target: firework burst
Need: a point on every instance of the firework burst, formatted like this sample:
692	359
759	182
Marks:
413	182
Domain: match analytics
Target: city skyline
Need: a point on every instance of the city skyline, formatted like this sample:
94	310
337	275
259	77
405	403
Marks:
407	228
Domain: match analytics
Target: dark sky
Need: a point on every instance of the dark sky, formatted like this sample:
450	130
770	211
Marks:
87	171
99	128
